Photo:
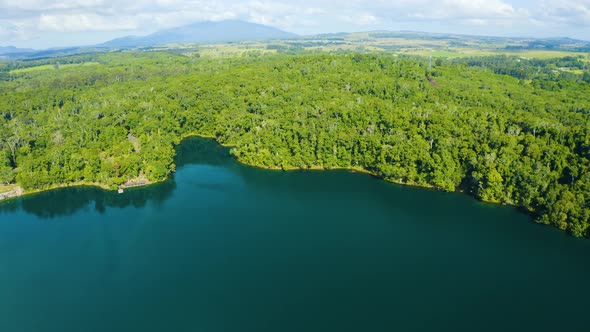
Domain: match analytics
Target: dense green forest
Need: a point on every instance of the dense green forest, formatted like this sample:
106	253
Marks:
498	129
547	72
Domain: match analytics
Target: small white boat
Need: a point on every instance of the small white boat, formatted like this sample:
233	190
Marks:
121	190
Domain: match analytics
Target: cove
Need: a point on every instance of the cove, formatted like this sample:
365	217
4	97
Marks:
226	247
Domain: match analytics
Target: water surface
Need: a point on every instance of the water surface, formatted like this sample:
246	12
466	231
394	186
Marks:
226	247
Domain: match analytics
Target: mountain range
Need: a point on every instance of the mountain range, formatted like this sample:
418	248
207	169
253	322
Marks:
204	32
6	50
239	31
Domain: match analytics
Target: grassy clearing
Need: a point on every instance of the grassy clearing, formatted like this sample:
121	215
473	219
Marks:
31	69
573	71
6	188
540	54
364	42
465	52
50	67
435	53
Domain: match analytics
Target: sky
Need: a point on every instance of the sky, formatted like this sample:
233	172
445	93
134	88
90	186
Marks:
57	23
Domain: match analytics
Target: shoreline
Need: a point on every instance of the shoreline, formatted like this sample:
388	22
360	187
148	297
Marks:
352	169
17	191
20	192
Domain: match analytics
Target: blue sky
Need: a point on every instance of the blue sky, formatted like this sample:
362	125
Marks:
49	23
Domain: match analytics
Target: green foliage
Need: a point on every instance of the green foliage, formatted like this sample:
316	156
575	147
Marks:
6	171
497	137
545	71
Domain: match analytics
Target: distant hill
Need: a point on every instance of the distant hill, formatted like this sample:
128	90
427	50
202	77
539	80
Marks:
5	50
204	32
498	43
410	42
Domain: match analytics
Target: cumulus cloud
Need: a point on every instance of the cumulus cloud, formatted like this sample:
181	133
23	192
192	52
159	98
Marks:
84	22
566	12
363	19
26	19
449	9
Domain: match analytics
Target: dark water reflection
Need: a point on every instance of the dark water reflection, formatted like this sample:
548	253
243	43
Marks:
226	247
67	201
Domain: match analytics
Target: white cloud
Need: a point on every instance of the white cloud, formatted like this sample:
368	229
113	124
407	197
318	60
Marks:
477	21
84	22
568	12
5	32
27	19
448	9
481	9
42	5
363	19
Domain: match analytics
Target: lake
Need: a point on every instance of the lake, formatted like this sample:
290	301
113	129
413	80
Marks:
226	247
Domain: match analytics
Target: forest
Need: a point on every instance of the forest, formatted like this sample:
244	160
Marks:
502	130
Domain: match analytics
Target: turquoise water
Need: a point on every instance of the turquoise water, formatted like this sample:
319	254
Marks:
226	247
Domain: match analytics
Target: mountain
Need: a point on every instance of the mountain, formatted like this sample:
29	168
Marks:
204	32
